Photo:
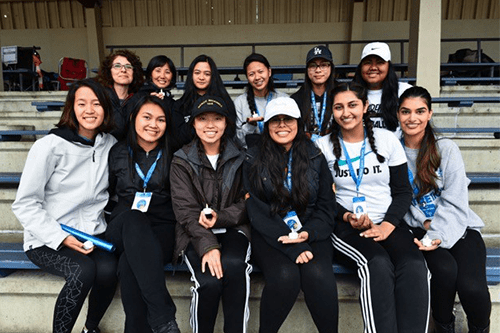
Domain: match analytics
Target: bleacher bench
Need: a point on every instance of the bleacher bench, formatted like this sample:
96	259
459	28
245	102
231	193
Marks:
48	105
12	258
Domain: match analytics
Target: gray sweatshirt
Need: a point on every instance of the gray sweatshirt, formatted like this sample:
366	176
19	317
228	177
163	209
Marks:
448	209
243	112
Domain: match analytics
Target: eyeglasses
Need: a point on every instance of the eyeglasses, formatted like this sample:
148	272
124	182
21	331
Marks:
323	66
275	122
120	66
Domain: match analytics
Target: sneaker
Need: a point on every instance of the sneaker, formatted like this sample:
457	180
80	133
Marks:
95	330
170	327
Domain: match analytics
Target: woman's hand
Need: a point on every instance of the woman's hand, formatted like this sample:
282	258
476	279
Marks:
302	237
304	257
379	232
362	223
159	95
74	244
206	223
212	258
421	247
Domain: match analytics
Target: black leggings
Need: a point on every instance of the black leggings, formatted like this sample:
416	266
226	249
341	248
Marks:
394	278
96	271
460	269
144	248
284	279
233	288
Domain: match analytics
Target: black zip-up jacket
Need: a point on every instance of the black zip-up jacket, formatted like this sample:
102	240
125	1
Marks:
125	182
318	218
195	183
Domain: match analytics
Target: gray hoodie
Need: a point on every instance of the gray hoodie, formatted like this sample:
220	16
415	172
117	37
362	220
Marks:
452	215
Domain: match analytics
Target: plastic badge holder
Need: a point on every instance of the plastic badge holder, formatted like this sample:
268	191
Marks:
82	236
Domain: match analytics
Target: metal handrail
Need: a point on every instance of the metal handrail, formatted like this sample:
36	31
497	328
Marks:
401	43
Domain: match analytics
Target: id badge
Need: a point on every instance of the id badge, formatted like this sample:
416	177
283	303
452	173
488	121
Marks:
314	137
359	206
142	201
292	221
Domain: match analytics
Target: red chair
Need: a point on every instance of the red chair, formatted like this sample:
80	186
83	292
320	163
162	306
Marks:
70	70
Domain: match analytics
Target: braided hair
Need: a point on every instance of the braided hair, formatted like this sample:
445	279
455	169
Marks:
361	94
249	89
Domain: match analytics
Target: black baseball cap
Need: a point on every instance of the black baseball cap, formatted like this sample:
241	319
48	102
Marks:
319	51
209	104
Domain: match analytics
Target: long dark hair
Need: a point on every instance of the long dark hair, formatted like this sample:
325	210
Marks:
305	107
428	158
215	88
68	117
106	78
389	101
272	159
249	89
163	142
361	94
160	61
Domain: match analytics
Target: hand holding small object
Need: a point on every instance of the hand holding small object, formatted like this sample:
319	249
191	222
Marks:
74	244
88	245
301	237
434	243
208	217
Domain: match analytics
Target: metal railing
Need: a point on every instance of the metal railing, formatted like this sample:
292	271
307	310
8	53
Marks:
253	46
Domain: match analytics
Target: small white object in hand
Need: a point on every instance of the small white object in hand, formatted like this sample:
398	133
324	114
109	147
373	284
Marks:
161	93
426	241
293	235
88	245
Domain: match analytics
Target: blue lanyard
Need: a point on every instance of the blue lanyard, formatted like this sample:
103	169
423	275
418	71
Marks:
410	174
359	178
288	181
261	123
317	117
150	172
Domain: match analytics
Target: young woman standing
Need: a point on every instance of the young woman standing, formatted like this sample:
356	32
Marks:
203	79
212	234
376	73
373	194
312	98
65	181
291	207
251	105
143	222
446	230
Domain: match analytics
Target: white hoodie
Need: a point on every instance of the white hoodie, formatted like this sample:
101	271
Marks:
63	182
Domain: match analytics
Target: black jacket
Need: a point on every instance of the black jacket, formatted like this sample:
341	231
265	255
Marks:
318	218
195	183
181	131
125	182
121	112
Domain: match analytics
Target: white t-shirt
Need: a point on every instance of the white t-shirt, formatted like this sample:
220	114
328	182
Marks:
375	183
374	100
213	160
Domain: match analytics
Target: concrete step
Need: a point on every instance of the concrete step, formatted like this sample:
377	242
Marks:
480	154
35	292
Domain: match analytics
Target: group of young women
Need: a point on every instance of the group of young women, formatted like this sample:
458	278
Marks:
293	181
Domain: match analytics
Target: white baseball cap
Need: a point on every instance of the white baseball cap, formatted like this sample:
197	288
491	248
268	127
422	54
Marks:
282	105
377	48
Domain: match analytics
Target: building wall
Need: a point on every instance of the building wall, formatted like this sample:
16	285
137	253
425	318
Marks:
58	43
